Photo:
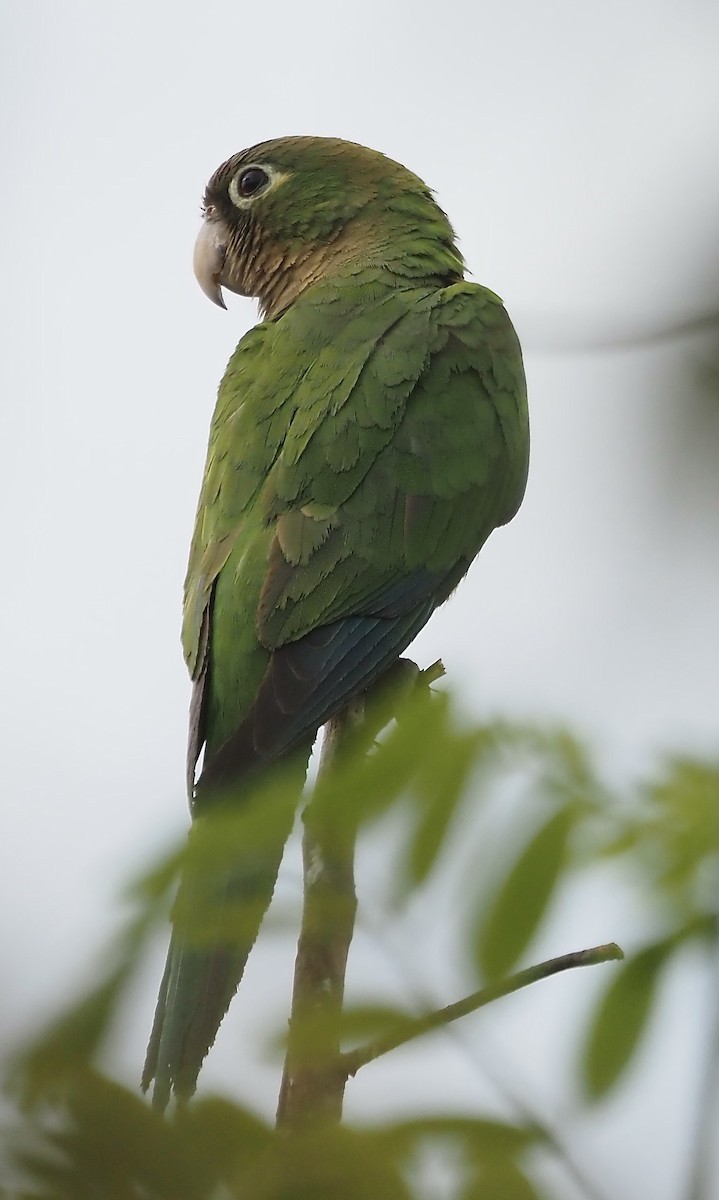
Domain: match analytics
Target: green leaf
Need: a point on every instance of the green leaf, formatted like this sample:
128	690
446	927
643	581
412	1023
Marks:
213	1137
480	1136
152	887
621	1018
522	900
100	1140
489	1149
364	786
686	824
314	1032
70	1042
501	1180
440	788
323	1162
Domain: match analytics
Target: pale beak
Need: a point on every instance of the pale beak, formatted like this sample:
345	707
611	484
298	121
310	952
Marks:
208	260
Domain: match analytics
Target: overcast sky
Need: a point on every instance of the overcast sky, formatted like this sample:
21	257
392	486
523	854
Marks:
574	148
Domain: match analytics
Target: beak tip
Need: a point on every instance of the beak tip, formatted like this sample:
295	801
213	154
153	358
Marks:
208	262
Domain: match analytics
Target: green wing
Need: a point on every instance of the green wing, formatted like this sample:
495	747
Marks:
426	456
356	467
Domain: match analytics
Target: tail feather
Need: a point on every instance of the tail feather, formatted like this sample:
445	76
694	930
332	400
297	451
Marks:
195	995
216	919
306	682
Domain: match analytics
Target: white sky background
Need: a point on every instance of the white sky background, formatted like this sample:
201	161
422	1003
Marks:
574	148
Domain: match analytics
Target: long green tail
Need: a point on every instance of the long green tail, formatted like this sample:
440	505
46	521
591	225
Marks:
224	893
200	980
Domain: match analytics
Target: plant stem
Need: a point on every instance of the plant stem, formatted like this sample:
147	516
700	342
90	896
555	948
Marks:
314	1078
704	1157
414	1027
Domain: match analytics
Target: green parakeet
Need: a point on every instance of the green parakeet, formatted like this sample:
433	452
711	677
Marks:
369	435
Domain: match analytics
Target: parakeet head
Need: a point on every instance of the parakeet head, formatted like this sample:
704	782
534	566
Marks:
285	213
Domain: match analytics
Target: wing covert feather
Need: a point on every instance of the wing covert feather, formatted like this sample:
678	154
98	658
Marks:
421	492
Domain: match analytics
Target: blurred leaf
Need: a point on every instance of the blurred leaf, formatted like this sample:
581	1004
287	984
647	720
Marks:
440	788
521	902
621	1018
74	1039
480	1136
569	773
501	1180
313	1033
156	882
392	695
70	1042
87	1139
489	1149
361	787
324	1162
216	1136
205	908
685	827
101	1141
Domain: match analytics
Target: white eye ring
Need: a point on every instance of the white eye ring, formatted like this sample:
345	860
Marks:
233	191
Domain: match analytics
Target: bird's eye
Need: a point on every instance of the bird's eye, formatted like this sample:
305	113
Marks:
251	180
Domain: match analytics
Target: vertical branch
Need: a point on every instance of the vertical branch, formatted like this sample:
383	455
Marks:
703	1157
314	1078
